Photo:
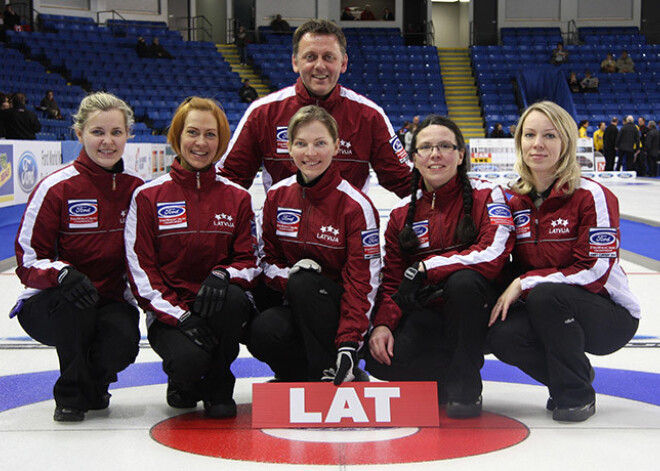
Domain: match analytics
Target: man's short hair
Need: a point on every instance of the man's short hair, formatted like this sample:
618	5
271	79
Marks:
316	26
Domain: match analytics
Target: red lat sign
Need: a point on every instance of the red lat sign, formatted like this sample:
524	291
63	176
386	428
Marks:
323	405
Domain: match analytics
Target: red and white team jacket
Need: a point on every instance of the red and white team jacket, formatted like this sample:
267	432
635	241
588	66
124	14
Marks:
436	216
574	240
75	217
180	227
365	132
334	224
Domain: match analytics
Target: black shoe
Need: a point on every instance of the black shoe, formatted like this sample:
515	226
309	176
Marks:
103	401
221	409
464	410
574	414
68	414
179	398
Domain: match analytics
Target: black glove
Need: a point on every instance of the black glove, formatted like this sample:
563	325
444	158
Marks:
407	297
211	295
77	288
198	331
346	363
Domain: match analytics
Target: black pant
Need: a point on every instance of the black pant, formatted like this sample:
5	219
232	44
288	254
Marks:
629	157
445	345
298	340
93	344
207	374
610	157
547	336
652	162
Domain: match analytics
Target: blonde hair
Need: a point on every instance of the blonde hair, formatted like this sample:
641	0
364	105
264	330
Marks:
200	104
310	113
568	171
101	101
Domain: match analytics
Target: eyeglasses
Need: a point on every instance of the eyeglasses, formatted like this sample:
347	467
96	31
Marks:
426	150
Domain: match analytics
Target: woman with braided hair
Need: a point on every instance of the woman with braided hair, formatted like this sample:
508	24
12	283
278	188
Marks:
445	245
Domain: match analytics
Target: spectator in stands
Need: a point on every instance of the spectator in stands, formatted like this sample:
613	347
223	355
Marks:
241	44
497	132
49	105
247	92
598	137
609	143
71	257
512	131
12	20
569	296
158	51
407	139
319	57
608	65
388	15
582	129
280	25
19	122
559	55
5	101
401	133
627	143
589	84
142	48
367	14
625	64
652	146
573	83
346	15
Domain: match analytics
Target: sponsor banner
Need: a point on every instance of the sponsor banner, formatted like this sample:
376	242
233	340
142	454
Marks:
585	154
492	155
323	405
6	174
32	161
149	160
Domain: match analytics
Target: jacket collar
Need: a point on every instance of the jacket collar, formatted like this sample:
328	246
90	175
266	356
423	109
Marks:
306	99
323	186
86	164
444	194
189	178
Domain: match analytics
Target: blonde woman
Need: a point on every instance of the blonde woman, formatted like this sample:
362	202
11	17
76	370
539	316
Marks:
570	295
70	253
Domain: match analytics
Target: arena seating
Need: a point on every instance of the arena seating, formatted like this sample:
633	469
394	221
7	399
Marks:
104	58
635	93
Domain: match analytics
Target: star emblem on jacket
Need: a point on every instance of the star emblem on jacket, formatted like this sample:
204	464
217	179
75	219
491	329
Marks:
345	147
559	226
223	219
328	233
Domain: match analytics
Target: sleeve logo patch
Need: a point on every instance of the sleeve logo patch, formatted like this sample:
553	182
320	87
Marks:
370	244
398	149
282	140
288	222
603	242
523	222
83	214
171	215
421	229
500	214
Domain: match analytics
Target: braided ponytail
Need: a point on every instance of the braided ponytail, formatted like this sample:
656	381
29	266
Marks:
466	230
408	240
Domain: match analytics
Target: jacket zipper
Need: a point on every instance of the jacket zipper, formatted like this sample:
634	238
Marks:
114	182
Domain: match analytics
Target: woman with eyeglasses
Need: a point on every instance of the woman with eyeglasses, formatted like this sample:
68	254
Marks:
445	245
570	295
191	257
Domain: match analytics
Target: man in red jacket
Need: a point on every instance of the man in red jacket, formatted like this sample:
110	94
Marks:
366	134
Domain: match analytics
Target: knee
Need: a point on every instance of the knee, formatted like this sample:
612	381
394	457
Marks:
300	283
464	283
545	299
269	331
188	366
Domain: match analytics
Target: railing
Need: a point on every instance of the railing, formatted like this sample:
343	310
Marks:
430	33
197	28
571	33
115	13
